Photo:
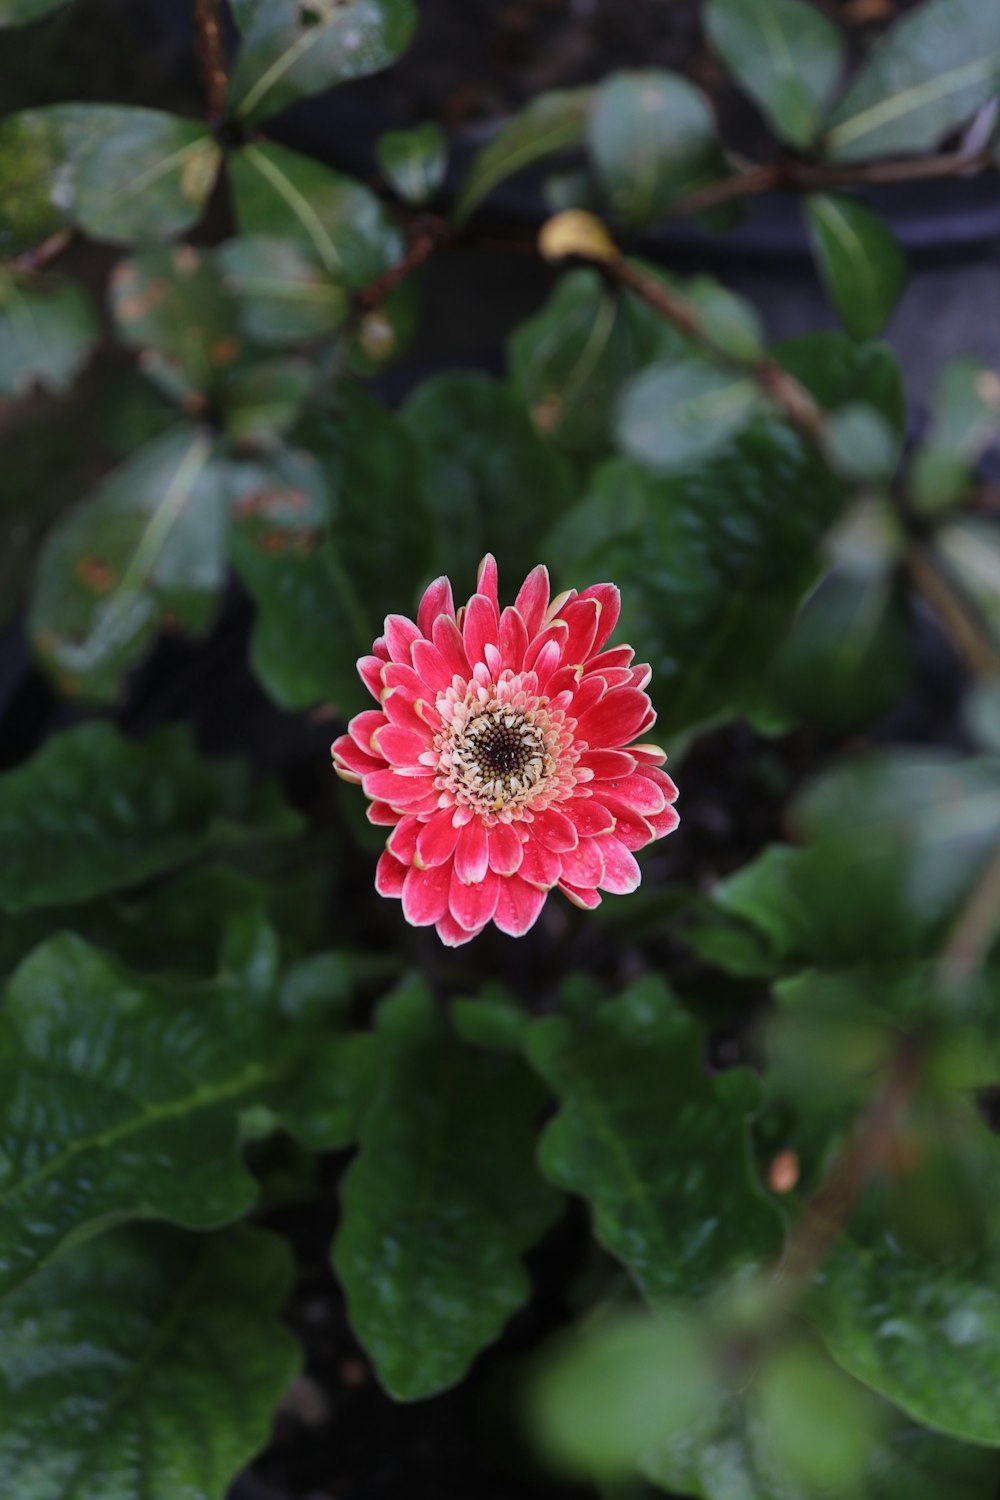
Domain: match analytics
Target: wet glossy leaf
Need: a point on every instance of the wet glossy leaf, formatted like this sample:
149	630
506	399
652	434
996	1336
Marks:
930	74
569	361
170	304
486	477
145	550
442	1201
553	122
145	1366
293	48
786	55
675	415
285	296
413	162
861	265
92	813
118	173
652	139
656	1146
47	331
338	220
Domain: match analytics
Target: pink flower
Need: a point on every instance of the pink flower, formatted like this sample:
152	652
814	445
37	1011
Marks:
497	756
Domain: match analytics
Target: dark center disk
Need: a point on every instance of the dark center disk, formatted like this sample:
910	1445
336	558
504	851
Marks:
501	751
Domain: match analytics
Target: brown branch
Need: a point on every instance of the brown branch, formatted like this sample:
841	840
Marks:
429	234
957	615
40	256
211	56
974	932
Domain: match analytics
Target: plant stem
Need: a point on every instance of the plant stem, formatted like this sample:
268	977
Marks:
211	56
428	234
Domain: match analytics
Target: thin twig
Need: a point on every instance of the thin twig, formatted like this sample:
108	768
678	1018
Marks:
958	616
40	256
974	931
429	234
211	56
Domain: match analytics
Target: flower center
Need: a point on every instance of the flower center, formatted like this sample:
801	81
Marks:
501	753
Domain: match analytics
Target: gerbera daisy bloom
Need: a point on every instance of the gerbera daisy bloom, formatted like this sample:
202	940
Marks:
500	757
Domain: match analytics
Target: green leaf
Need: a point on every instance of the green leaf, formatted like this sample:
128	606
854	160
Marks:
674	416
22	12
656	1146
413	162
145	550
970	548
92	813
110	1361
786	55
837	372
568	362
47	332
930	74
310	548
169	302
652	139
263	398
441	1202
285	296
849	655
860	445
338	220
555	121
965	421
486	477
860	263
292	49
119	174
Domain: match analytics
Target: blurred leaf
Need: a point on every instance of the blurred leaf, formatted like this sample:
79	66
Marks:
147	549
441	1202
413	162
554	121
859	444
47	332
486	477
656	1146
930	73
568	361
169	302
118	173
849	655
652	138
859	260
323	569
619	1386
384	331
838	372
965	421
264	398
21	12
674	416
284	296
819	1426
279	192
786	55
293	48
119	1350
91	813
732	323
970	547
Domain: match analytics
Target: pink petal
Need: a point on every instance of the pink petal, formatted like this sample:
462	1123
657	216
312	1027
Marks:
487	581
583	617
437	839
481	628
583	867
547	664
662	780
349	761
539	866
588	900
407	712
664	822
621	873
431	667
451	934
397	790
370	672
638	792
472	852
380	649
437	600
642	675
588	816
634	831
402	841
389	875
589	692
617	719
400	633
513	640
505	848
651	754
473	906
363	726
401	747
518	905
558	632
608	765
554	830
382	815
425	895
609	598
617	656
533	599
448	639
